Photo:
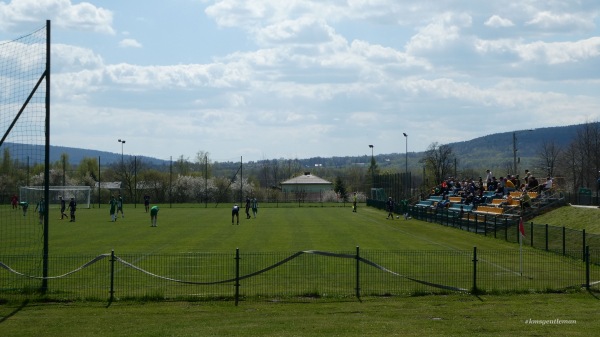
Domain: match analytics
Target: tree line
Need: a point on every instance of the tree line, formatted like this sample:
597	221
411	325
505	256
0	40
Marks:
200	180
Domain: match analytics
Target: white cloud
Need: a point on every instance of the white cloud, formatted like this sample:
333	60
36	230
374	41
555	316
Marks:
496	21
65	14
551	21
443	31
130	43
301	31
560	52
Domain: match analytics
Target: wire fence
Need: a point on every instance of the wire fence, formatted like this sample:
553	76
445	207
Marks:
296	276
559	240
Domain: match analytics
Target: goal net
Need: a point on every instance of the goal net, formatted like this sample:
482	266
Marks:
24	149
33	194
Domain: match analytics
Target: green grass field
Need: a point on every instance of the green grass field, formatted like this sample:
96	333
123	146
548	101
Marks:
199	229
198	245
423	250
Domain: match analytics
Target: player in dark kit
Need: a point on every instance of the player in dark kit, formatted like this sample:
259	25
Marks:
247	208
147	203
390	207
63	206
72	208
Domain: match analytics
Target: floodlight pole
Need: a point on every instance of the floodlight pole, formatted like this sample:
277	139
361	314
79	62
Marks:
122	141
406	153
372	167
406	162
515	151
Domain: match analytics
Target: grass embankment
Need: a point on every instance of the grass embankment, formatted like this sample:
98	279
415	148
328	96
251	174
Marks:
572	217
454	315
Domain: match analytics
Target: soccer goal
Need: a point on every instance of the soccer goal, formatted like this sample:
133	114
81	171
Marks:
33	194
378	194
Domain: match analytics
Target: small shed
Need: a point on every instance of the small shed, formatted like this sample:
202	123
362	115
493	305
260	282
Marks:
306	187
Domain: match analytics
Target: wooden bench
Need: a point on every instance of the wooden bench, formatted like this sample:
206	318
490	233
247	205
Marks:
517	194
436	198
455	200
424	203
489	210
497	202
456	208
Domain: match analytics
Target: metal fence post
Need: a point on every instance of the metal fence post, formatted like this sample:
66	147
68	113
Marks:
469	222
112	275
587	267
474	270
485	227
583	234
531	234
564	238
546	237
237	276
358	272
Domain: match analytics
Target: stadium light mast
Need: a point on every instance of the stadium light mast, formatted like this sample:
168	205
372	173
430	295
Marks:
406	153
372	167
122	141
407	188
515	151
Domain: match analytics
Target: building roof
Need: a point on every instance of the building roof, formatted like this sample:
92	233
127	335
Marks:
109	185
306	179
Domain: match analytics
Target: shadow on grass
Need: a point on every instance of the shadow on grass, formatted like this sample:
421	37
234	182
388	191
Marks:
14	312
593	293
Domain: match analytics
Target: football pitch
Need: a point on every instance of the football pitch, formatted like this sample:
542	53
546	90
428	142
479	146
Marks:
199	229
186	230
285	252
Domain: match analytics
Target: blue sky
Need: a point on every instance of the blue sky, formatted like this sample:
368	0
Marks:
292	79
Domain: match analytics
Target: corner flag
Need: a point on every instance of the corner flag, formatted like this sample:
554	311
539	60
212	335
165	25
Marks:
521	227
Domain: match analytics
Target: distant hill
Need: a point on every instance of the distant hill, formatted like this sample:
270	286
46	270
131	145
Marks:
487	151
76	155
491	151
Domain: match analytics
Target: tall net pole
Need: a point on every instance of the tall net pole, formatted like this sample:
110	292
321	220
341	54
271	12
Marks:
47	162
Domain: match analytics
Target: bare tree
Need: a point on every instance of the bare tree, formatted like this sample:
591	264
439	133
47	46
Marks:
439	160
126	172
587	142
570	162
182	166
548	155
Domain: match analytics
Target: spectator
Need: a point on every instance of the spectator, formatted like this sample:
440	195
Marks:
532	184
488	176
525	200
509	186
547	186
527	176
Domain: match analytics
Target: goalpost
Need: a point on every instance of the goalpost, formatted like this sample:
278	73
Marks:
33	194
